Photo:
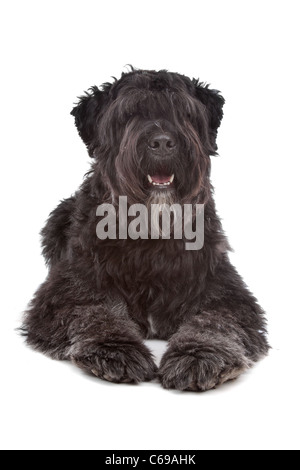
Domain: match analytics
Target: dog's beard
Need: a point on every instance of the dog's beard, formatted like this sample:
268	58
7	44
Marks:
161	198
158	205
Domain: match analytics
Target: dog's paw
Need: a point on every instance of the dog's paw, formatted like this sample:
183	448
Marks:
200	371
118	363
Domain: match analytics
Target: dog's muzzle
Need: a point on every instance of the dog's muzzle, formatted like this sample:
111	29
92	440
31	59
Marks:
162	148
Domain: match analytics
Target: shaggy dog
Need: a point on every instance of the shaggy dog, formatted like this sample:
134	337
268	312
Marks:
102	298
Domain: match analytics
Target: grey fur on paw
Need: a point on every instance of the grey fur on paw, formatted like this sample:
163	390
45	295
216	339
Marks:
201	371
119	363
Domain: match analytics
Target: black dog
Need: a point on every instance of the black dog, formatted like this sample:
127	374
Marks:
103	297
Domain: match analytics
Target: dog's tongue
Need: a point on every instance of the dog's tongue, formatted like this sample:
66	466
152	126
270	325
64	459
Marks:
161	179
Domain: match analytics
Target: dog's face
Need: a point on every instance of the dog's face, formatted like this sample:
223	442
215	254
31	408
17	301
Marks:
151	134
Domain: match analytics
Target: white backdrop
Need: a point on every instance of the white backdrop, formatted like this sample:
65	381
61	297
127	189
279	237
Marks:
50	52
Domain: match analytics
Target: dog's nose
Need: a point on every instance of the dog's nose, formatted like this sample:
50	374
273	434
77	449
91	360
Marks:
162	144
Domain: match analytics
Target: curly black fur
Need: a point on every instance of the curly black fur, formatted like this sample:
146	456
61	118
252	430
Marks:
103	297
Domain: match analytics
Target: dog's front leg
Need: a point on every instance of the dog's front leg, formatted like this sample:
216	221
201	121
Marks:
201	356
109	345
219	343
69	321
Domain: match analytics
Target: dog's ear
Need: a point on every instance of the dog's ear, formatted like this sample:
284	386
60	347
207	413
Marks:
213	101
87	113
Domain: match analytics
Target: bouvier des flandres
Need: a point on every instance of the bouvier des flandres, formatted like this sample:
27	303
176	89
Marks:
151	135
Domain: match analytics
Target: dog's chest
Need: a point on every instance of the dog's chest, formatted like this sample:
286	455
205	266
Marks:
158	281
159	293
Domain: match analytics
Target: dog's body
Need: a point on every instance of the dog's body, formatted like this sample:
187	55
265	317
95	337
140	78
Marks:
103	297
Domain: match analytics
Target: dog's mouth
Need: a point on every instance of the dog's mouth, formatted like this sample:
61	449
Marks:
161	181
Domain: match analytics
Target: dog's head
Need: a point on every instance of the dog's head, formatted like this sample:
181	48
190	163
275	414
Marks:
151	134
